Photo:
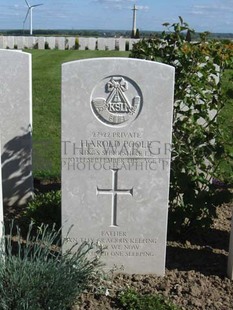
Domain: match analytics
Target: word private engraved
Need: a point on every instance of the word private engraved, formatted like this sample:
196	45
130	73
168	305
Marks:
116	101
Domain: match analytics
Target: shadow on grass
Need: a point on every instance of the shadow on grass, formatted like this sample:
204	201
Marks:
44	187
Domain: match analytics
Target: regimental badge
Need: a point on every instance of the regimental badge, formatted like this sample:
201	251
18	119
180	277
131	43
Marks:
116	101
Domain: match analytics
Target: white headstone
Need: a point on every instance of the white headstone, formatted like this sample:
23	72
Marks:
10	42
116	135
51	42
2	42
102	43
71	42
230	257
19	42
1	203
83	43
41	43
30	42
121	43
61	43
15	126
92	44
111	44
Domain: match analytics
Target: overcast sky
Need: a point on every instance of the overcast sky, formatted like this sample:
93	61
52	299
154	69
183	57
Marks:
202	15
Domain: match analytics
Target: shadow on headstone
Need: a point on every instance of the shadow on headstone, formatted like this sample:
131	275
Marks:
16	170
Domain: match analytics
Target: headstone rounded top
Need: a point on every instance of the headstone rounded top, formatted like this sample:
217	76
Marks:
121	60
8	51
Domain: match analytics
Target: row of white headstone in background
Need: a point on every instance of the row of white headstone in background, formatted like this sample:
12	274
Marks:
62	43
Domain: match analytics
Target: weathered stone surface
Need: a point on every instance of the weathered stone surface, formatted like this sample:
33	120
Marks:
116	133
15	126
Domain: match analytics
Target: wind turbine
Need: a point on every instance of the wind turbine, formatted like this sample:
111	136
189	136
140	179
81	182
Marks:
29	11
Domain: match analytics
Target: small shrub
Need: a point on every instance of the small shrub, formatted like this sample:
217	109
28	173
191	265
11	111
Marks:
131	300
38	276
127	46
197	138
45	208
66	44
137	35
76	44
46	45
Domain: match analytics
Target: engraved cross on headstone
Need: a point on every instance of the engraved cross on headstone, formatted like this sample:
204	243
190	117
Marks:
114	191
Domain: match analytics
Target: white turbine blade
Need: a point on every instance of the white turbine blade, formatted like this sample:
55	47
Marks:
27	3
26	15
36	5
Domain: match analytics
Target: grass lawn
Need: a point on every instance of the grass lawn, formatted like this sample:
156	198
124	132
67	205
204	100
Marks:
46	78
46	83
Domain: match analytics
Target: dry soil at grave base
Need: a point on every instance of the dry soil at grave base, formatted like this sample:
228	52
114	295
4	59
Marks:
195	276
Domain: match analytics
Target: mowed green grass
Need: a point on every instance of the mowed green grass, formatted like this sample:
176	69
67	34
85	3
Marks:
46	86
46	79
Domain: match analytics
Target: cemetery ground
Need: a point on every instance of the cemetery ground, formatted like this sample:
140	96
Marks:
196	261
